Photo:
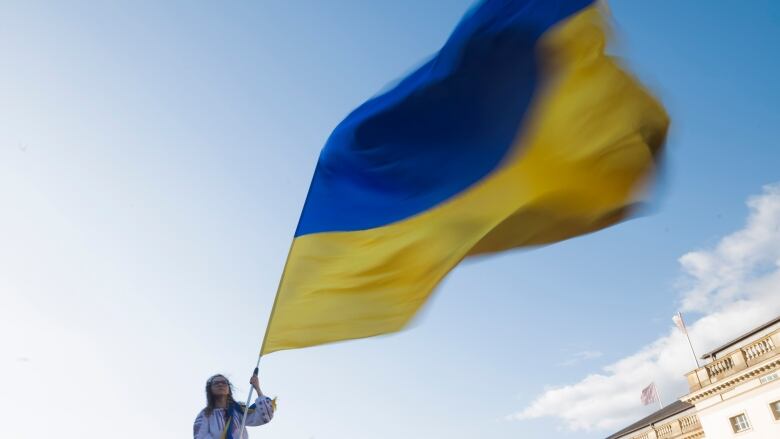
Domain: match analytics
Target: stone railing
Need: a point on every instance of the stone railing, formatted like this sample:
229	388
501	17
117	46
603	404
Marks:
673	429
759	350
689	423
666	430
720	367
735	361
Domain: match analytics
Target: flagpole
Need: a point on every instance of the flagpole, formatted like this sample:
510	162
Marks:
695	358
270	316
688	337
658	397
265	337
249	398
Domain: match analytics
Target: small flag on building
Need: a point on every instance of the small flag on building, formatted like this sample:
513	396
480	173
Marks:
678	321
650	395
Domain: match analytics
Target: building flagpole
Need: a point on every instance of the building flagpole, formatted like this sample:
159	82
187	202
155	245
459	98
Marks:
678	320
658	397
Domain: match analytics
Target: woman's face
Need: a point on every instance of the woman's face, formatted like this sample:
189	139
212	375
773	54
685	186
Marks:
220	386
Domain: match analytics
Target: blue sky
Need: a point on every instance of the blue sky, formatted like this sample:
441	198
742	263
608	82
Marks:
153	162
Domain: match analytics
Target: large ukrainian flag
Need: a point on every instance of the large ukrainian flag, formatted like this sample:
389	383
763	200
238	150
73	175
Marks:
519	132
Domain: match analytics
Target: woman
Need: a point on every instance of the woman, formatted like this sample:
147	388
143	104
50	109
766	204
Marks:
221	418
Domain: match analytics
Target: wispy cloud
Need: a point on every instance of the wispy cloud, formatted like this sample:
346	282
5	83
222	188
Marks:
579	357
736	285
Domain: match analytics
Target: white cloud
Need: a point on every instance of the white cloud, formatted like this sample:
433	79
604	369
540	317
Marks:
581	356
718	276
735	285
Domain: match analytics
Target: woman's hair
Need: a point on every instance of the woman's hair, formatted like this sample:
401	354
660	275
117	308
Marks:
210	396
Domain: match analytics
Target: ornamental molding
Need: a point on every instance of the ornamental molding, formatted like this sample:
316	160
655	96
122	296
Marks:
736	379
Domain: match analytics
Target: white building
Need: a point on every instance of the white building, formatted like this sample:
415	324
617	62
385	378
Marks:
738	393
735	395
677	420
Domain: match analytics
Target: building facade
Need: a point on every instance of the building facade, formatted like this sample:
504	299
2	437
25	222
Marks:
735	395
675	421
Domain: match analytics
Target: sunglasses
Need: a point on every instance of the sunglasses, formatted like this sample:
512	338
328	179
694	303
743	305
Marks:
219	382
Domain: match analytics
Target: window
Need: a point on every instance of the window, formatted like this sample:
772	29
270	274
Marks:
775	406
768	378
739	423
